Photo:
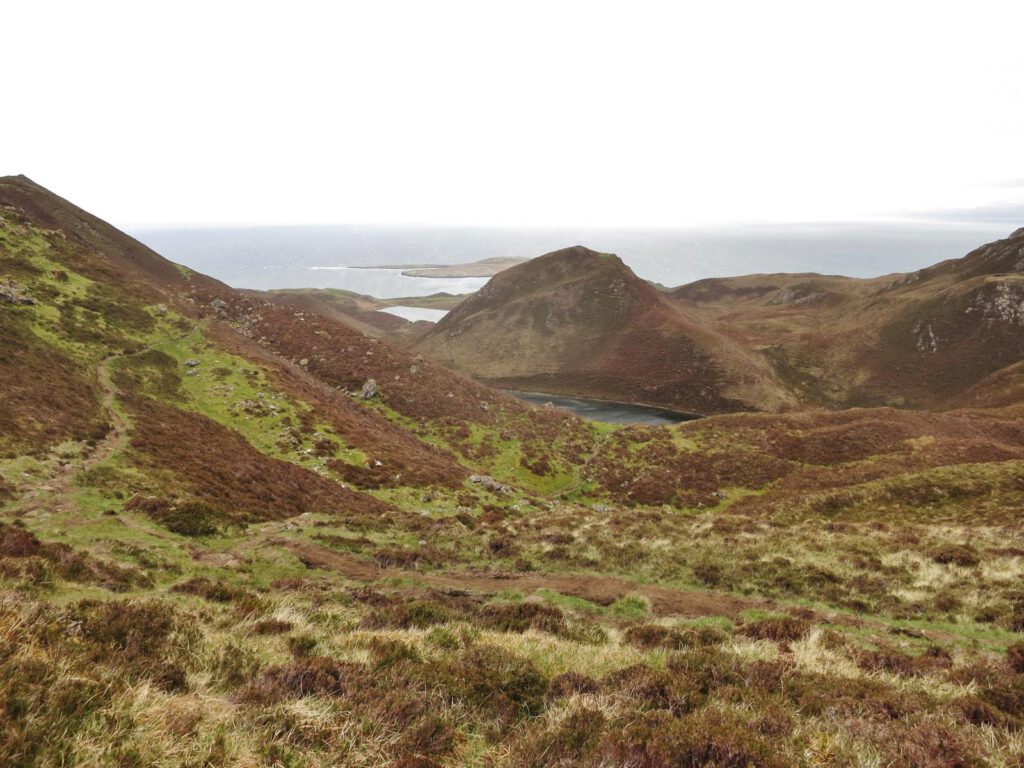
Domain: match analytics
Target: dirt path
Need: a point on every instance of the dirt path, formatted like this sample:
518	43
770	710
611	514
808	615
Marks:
58	486
602	590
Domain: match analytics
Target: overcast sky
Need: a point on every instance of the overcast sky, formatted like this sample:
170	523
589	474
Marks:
515	113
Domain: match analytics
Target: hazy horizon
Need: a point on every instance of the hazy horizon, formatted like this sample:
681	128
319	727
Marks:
323	256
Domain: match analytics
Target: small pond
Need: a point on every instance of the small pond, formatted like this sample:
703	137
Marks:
607	410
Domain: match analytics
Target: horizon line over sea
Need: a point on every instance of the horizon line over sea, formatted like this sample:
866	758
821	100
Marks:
267	258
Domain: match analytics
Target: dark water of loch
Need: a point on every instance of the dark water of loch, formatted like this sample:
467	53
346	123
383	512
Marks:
606	410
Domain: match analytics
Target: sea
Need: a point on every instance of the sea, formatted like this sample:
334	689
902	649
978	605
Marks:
354	258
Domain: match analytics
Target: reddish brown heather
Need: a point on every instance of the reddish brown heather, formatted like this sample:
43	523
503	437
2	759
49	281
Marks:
221	469
46	396
580	322
21	554
93	247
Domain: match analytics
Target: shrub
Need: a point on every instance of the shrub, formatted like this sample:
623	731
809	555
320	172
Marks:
414	614
218	592
193	518
235	664
44	708
569	742
780	629
707	738
313	676
17	542
519	617
301	646
888	660
492	681
963	556
817	695
41	563
977	711
415	761
1006	694
673	638
708	574
387	652
226	472
655	636
428	734
569	683
134	636
651	688
272	627
1015	657
1015	622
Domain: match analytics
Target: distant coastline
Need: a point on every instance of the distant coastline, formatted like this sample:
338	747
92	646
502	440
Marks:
266	258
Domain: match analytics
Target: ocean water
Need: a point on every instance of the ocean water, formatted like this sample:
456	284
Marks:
324	256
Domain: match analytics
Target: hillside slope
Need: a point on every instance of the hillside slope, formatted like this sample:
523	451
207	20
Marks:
236	532
581	323
921	340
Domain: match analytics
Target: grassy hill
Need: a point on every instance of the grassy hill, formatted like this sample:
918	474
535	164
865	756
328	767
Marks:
237	531
580	322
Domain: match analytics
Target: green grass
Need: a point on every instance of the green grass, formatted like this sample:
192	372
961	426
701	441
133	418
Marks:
240	396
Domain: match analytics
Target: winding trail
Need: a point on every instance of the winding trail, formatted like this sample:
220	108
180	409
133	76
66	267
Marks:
58	486
54	493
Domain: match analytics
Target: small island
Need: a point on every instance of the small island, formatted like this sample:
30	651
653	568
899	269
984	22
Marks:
482	268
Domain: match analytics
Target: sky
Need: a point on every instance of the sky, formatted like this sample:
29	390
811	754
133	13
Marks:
629	114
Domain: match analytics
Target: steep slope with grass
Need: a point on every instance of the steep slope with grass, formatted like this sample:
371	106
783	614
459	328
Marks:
221	544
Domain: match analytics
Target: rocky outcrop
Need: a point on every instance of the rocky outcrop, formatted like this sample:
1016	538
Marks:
1002	301
926	339
12	293
369	390
489	483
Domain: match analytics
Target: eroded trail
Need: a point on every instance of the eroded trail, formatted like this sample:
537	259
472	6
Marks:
54	492
602	590
118	434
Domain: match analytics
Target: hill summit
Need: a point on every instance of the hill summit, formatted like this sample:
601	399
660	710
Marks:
581	322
